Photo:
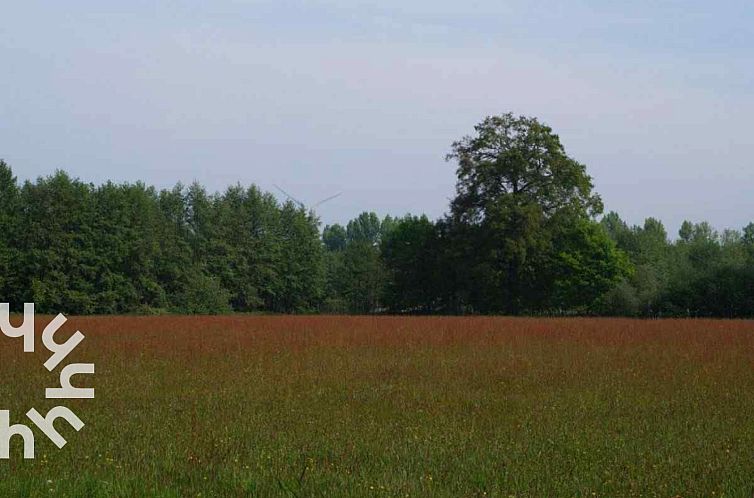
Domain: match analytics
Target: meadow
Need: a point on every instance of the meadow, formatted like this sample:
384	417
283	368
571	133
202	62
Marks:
393	406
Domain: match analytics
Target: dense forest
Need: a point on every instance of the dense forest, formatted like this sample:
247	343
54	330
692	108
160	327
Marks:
525	234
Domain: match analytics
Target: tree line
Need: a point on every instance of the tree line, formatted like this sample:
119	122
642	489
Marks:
524	234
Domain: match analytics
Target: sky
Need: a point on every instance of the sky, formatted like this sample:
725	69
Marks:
365	98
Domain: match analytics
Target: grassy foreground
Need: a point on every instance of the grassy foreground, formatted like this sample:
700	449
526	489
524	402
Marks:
382	406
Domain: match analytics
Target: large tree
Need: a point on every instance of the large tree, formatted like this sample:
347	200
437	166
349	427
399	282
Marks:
517	188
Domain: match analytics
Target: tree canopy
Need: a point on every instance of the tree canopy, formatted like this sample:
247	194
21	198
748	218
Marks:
524	210
524	235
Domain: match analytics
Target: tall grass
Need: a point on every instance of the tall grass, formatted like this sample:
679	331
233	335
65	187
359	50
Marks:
382	406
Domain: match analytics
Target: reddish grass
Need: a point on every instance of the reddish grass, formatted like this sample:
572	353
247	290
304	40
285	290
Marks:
418	406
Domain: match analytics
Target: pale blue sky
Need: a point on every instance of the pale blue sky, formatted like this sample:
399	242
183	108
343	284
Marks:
657	98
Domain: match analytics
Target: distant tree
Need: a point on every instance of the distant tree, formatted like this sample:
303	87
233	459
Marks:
701	243
363	277
516	187
334	237
650	253
175	267
9	219
245	249
56	249
652	241
355	275
686	231
410	255
618	230
748	235
336	283
201	221
387	225
125	234
695	269
301	263
365	228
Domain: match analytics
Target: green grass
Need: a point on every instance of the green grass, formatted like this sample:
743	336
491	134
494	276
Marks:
348	406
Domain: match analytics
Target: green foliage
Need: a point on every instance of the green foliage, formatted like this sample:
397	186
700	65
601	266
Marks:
587	264
409	252
55	244
9	225
301	270
520	237
334	237
516	190
365	228
75	248
363	277
355	271
201	294
703	273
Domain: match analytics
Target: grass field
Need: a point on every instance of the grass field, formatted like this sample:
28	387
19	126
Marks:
381	406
